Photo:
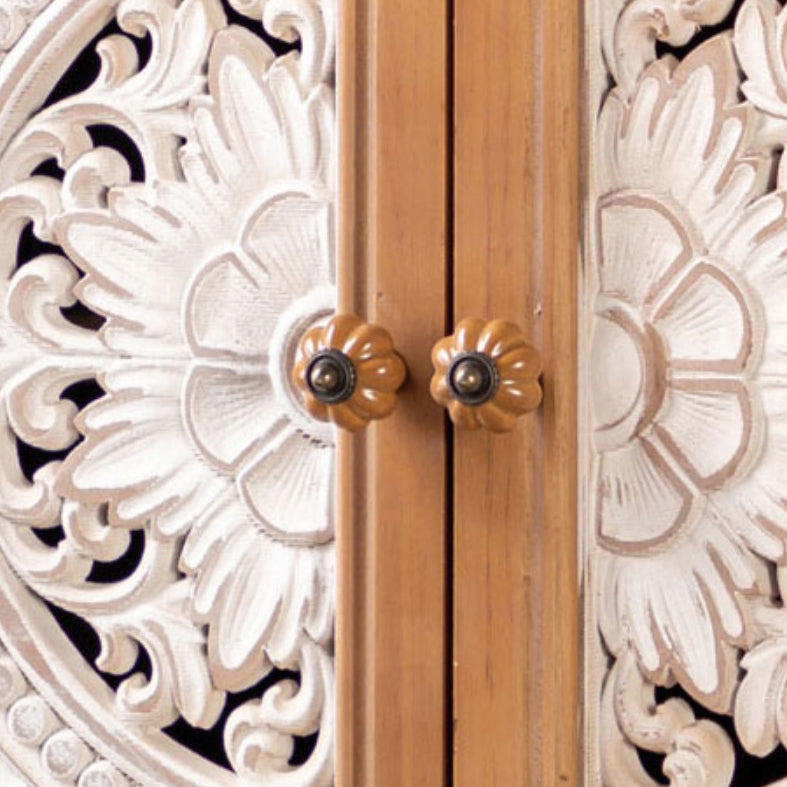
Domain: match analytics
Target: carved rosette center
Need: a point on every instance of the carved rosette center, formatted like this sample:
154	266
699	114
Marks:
627	371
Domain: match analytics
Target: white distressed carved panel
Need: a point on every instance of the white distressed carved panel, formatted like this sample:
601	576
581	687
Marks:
167	193
685	432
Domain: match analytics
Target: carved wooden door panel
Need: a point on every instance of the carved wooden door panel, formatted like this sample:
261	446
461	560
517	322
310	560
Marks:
166	522
685	512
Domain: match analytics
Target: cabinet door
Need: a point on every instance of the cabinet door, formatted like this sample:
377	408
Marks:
167	561
514	579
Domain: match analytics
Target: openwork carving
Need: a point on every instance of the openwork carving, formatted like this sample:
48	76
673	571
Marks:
174	275
687	372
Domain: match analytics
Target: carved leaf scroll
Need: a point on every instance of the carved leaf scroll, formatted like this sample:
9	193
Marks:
194	261
688	381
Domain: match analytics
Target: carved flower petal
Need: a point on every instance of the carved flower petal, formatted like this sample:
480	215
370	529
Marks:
684	134
756	506
761	702
266	131
289	237
228	412
679	610
289	487
707	427
148	471
756	245
759	44
644	245
640	499
136	274
223	515
706	322
288	589
239	330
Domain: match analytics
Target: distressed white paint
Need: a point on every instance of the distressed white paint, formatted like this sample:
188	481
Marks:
685	444
207	275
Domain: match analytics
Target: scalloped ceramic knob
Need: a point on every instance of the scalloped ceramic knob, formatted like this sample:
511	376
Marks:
347	371
486	375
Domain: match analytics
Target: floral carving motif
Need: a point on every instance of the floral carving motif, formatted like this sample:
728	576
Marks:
687	370
204	272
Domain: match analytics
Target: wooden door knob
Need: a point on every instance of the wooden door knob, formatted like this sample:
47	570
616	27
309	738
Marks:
347	371
486	374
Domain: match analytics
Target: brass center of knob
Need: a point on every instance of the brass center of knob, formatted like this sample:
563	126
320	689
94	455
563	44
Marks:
473	378
331	377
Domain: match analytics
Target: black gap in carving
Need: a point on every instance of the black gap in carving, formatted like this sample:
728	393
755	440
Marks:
702	35
84	638
83	71
278	46
112	137
652	763
50	169
82	393
31	246
144	47
304	747
750	771
124	566
82	317
32	459
776	598
78	631
210	743
51	536
774	164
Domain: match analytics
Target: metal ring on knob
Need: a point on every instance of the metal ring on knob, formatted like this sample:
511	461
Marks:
473	378
347	371
330	376
486	375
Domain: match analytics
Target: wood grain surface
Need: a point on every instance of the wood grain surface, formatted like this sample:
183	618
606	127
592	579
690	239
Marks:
513	85
391	627
516	603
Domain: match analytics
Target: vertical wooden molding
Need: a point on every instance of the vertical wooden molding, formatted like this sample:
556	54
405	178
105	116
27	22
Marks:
560	264
516	603
391	536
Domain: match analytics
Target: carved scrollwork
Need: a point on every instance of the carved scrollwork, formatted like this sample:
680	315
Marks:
687	375
198	261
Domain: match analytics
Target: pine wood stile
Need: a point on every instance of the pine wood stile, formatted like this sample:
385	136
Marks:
516	603
392	702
